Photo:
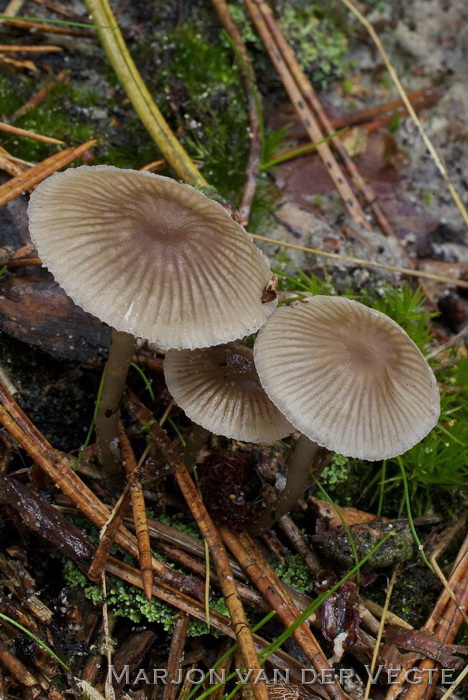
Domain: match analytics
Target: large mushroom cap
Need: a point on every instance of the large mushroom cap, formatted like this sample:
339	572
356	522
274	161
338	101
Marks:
150	256
348	377
218	388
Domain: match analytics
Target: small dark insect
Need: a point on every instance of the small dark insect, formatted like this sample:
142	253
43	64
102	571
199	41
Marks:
269	293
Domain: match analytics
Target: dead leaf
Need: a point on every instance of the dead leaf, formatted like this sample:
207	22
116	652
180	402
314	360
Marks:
425	643
328	515
355	141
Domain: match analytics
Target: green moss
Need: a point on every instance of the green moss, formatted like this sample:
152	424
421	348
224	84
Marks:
295	572
73	114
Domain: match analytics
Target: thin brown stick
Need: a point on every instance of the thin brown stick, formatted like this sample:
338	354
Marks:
305	113
40	96
43	48
16	131
210	534
310	96
12	167
176	655
197	567
48	28
365	263
17	669
248	82
419	99
290	529
252	561
108	534
24	262
32	177
139	511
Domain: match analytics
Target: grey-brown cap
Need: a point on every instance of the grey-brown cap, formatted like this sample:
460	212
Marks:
150	256
218	388
348	377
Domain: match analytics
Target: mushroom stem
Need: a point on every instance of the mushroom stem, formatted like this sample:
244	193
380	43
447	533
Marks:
108	413
306	457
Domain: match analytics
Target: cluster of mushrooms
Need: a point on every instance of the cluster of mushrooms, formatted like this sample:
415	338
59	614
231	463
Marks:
160	260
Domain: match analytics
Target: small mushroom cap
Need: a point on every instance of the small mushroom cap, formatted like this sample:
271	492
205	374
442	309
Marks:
348	377
218	388
150	256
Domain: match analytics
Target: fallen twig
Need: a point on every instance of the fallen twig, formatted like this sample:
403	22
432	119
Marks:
419	99
16	131
209	532
40	96
43	48
32	177
176	655
306	115
139	511
248	82
31	26
108	534
372	33
246	552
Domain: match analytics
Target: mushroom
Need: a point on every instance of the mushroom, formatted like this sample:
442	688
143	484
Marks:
218	388
348	377
150	257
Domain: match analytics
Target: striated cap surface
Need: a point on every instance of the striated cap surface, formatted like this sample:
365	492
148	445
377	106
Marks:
348	377
150	256
218	388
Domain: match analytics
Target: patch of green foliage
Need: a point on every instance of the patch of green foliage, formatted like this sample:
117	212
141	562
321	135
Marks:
73	114
436	468
202	83
295	573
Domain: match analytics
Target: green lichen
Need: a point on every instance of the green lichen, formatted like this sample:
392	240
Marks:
320	44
